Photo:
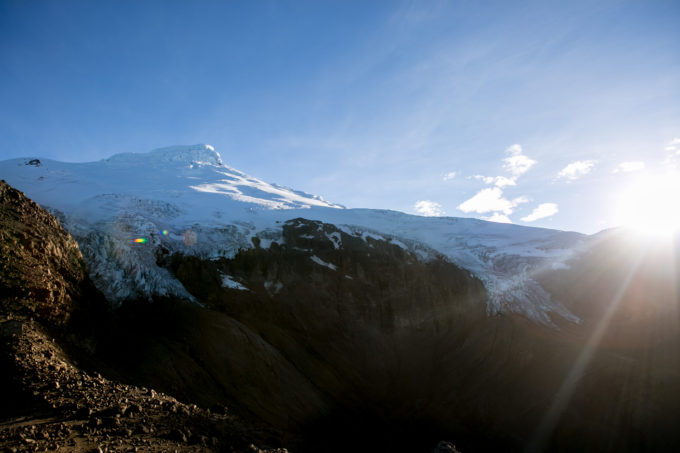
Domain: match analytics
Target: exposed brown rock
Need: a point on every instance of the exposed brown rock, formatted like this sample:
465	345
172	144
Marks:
48	402
83	415
42	270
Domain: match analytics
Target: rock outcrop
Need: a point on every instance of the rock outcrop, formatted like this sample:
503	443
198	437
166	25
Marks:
51	317
42	273
63	408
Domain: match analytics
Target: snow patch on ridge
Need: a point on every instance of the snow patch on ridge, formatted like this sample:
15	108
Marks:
272	287
228	282
321	262
335	239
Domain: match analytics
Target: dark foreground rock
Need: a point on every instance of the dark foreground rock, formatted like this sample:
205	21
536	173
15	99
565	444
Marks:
42	273
59	407
51	314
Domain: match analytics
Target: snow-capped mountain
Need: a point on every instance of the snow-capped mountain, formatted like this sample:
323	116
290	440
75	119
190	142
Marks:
126	209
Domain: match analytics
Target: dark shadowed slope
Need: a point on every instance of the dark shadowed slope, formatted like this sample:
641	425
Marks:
51	313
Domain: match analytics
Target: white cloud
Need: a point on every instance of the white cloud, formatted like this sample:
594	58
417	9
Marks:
450	175
486	179
627	167
428	208
673	150
542	211
499	181
673	146
490	200
517	164
576	169
498	217
514	149
502	181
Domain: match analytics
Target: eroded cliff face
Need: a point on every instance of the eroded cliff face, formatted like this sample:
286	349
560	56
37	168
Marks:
359	318
42	273
310	335
351	282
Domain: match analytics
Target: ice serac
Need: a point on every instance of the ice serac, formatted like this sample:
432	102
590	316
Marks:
185	199
193	154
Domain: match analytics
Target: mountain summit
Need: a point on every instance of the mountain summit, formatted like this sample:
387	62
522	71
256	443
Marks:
193	154
185	199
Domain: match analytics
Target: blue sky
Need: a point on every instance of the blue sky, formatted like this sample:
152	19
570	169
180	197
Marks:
540	113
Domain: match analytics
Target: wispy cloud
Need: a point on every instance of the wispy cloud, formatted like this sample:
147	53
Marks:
498	181
577	169
627	167
542	211
428	208
449	175
514	149
489	200
674	146
672	160
517	163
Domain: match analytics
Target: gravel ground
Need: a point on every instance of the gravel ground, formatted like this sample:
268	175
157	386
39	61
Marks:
53	405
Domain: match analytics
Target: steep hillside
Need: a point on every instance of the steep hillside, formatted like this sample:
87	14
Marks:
51	314
306	336
396	351
42	273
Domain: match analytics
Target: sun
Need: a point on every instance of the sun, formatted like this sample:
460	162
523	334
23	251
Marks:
650	205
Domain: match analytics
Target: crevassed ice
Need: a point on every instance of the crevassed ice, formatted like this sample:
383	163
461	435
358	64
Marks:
113	201
187	154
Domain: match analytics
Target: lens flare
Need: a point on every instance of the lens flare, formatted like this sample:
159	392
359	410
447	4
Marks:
164	232
189	238
649	204
140	240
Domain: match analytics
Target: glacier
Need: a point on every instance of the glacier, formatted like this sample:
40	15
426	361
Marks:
186	199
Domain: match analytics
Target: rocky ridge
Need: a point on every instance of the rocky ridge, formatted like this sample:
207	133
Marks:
49	311
42	272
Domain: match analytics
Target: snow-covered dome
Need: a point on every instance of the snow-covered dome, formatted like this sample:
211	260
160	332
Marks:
191	154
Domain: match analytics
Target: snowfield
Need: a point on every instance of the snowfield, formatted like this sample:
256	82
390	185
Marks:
185	199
